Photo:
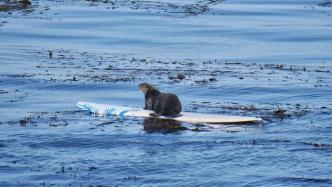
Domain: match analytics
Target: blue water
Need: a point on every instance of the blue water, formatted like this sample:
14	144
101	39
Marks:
251	58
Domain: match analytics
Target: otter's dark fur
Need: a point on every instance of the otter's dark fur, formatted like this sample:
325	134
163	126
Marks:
161	103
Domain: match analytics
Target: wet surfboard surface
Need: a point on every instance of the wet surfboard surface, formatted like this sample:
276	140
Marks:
190	117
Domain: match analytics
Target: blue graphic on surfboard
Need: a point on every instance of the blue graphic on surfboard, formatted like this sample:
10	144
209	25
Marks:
190	117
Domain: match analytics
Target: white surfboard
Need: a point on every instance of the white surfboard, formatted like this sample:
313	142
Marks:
190	117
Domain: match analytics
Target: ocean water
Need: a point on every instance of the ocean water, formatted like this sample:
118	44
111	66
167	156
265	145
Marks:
253	58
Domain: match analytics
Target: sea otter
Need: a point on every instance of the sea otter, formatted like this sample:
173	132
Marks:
161	103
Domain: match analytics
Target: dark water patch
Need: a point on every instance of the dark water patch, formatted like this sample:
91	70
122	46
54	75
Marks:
13	96
297	180
15	5
3	92
58	123
326	3
190	8
22	75
291	145
53	119
318	145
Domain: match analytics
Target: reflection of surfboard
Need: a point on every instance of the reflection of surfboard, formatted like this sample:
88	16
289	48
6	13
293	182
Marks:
190	117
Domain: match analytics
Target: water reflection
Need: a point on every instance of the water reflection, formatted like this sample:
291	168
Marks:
157	125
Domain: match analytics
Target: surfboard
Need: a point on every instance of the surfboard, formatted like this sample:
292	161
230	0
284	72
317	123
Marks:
190	117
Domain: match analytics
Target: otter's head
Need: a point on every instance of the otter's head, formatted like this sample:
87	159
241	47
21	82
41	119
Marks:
145	87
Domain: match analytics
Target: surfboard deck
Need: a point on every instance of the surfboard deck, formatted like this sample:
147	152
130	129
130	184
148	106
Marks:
190	117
